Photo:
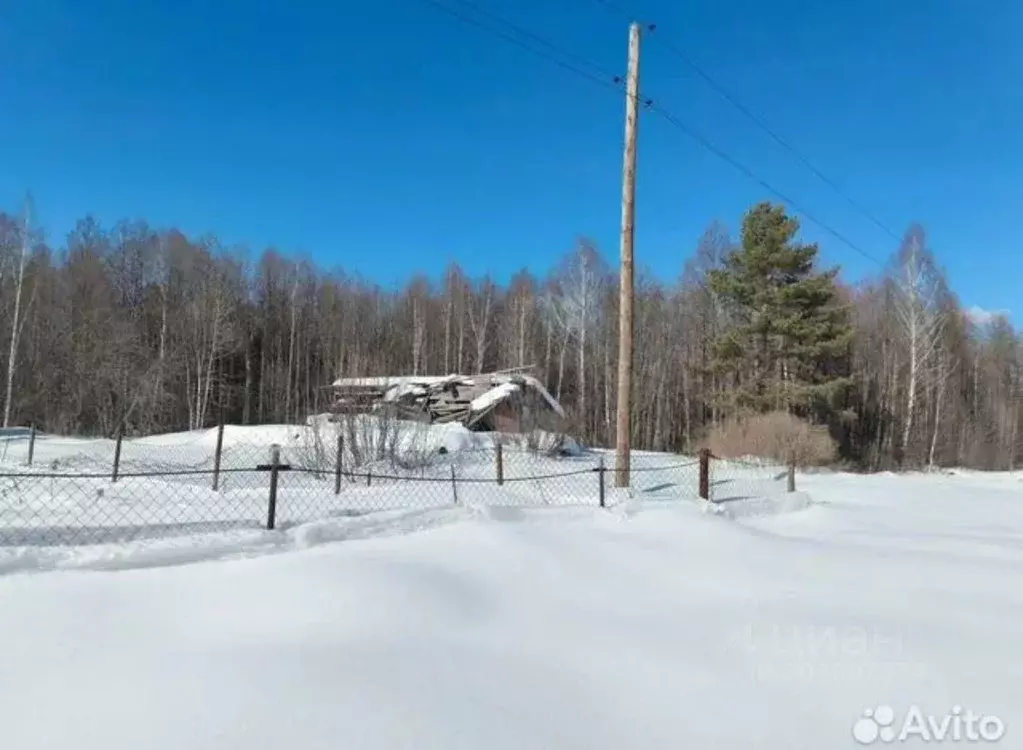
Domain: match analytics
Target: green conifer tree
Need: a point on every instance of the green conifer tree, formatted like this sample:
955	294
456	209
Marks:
787	339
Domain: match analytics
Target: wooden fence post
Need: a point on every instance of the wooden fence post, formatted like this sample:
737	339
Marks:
275	468
117	453
499	456
792	473
600	472
338	462
216	456
31	443
454	485
705	473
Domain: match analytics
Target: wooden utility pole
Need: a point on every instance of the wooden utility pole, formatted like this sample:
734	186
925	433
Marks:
626	290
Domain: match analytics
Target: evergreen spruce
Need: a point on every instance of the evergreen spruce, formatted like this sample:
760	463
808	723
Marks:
786	344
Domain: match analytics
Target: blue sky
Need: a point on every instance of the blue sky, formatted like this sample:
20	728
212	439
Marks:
388	137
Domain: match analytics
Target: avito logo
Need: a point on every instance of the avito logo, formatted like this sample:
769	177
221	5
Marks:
880	724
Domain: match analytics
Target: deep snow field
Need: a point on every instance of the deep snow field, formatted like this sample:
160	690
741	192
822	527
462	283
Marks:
654	623
67	496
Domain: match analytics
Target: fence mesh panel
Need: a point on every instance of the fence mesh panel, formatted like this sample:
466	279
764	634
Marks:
734	480
79	492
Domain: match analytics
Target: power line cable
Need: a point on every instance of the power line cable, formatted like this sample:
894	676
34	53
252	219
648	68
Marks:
756	120
729	159
584	61
552	54
555	54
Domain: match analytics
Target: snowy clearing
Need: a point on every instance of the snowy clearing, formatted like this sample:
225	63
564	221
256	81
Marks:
68	496
652	624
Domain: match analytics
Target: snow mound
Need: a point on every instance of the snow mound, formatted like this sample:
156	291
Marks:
789	502
503	628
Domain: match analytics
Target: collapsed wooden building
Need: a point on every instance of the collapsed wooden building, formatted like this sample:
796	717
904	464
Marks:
510	401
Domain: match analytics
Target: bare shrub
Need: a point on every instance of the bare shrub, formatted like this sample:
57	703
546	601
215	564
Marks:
312	448
383	438
778	435
412	449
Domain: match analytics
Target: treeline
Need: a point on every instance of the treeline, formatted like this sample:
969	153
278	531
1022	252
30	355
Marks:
157	331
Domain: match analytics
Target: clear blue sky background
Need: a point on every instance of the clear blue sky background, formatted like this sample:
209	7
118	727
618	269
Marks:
387	137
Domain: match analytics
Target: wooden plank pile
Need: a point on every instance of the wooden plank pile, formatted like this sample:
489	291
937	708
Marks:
468	399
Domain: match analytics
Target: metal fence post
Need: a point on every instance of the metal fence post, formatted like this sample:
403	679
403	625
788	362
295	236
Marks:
600	473
117	453
499	457
454	485
31	443
216	456
275	468
338	462
792	473
705	473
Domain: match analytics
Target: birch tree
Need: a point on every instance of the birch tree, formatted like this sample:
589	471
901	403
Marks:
919	291
578	294
480	309
107	335
16	322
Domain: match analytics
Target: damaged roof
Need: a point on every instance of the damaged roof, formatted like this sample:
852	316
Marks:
429	392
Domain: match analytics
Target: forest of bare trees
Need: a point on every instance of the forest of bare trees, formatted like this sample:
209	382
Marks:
151	330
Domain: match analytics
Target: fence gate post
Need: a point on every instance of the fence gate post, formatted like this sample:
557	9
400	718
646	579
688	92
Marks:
600	473
499	456
705	473
338	462
792	473
216	456
454	485
117	453
31	443
275	468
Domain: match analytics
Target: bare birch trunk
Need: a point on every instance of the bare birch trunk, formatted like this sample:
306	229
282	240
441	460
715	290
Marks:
416	336
247	394
288	382
608	380
938	398
522	333
907	426
561	364
461	342
547	351
582	371
16	323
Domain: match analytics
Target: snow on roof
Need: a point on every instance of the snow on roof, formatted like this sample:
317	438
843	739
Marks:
389	381
551	401
504	384
509	386
493	396
405	389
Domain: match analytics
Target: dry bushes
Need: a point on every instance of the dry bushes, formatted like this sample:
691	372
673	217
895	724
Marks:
777	435
367	439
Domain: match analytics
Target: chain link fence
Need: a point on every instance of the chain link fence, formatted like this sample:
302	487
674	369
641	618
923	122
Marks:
57	491
748	479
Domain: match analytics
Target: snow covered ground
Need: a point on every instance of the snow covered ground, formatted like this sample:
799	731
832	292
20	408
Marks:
650	624
68	496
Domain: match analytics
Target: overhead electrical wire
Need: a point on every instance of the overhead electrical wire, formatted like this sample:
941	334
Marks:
756	120
552	53
595	74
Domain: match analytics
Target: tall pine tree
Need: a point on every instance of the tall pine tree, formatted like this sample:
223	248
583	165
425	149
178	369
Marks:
786	343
